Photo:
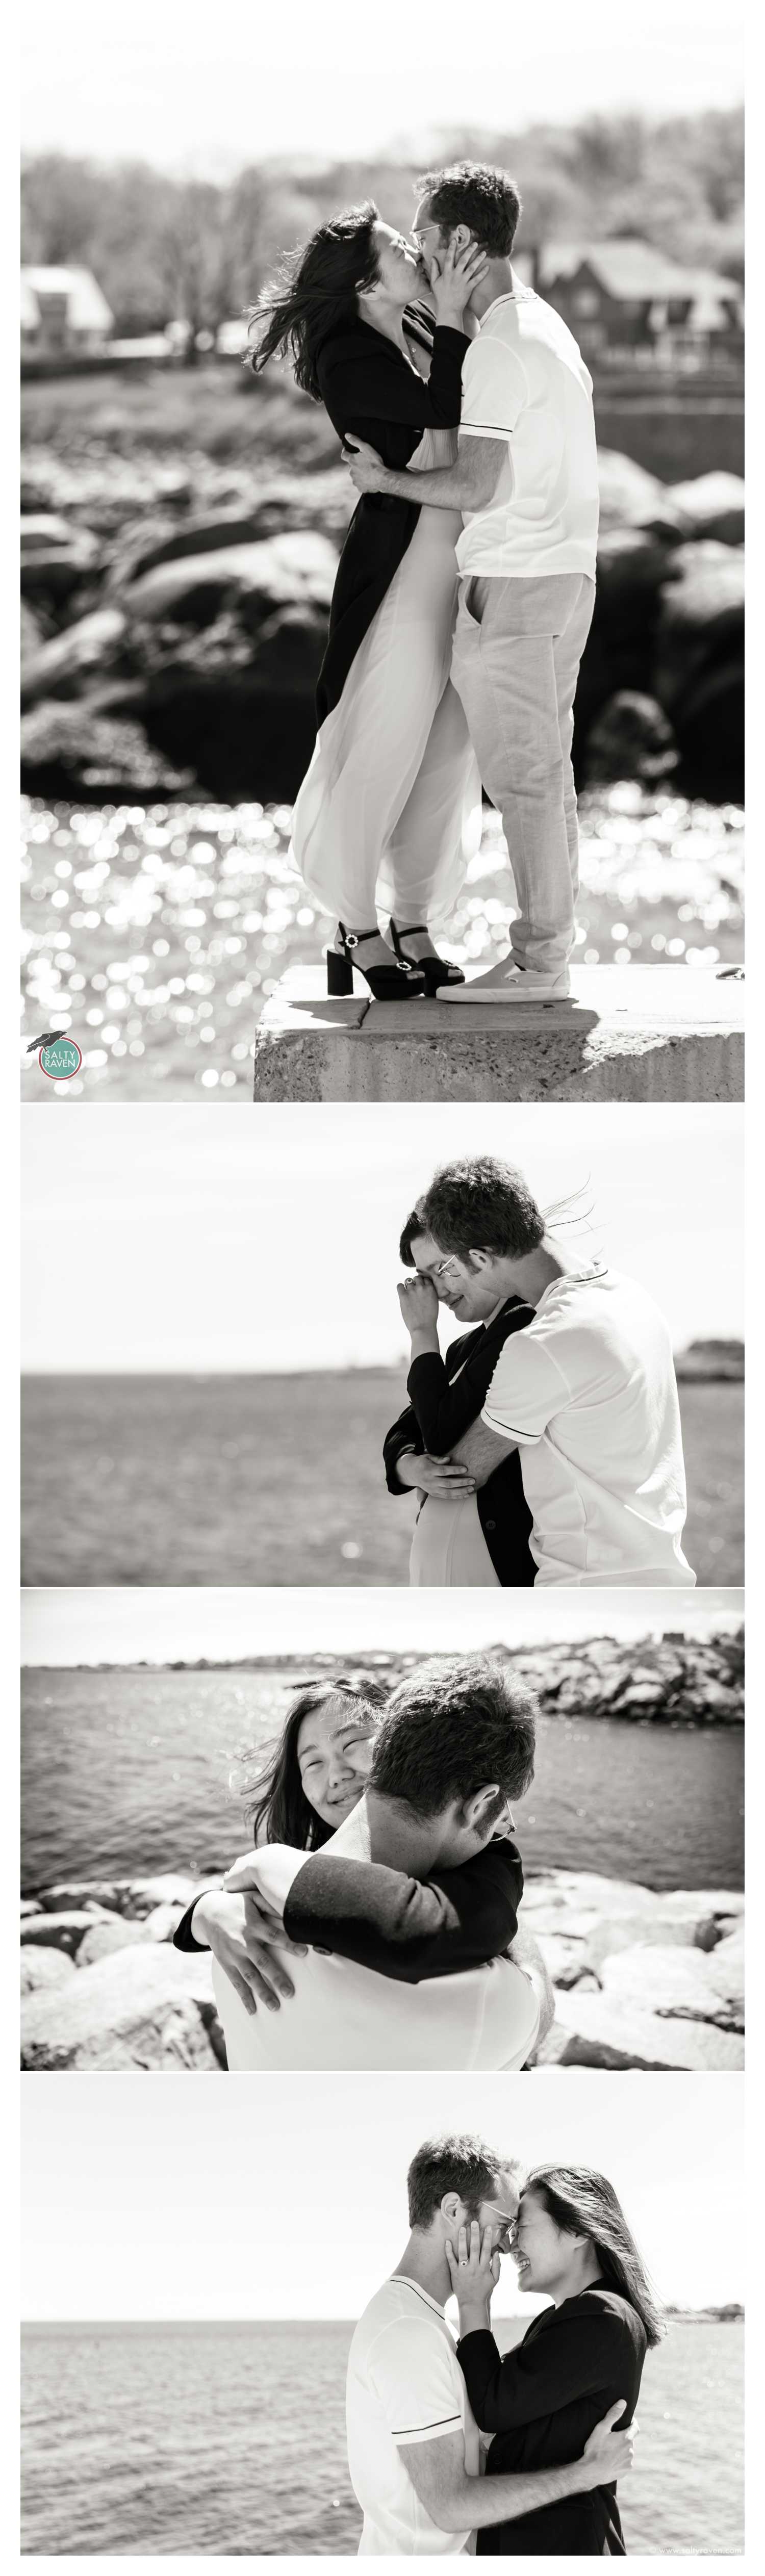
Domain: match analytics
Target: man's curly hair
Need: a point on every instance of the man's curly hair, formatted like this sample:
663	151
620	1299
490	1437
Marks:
482	1205
484	199
452	1727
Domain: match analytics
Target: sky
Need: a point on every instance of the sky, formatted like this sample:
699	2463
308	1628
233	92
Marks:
93	1625
164	1239
158	80
147	2212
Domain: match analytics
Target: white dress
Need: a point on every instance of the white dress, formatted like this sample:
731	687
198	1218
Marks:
389	813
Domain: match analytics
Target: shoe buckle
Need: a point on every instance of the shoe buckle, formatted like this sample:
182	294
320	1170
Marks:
351	939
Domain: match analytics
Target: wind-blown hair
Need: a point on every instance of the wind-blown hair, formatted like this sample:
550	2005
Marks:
314	293
281	1812
482	1204
584	2203
414	1225
461	2164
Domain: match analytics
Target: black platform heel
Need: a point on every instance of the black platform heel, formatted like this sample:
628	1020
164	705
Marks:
434	970
402	983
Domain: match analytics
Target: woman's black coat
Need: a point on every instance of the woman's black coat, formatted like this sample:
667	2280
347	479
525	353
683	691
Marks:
438	1414
542	2402
368	386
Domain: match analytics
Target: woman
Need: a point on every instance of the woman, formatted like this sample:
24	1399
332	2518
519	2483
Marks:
389	813
582	2354
312	1782
461	1536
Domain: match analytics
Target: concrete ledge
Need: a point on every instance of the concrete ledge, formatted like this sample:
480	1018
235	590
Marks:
628	1033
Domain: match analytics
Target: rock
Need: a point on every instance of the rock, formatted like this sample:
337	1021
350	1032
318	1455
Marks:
631	738
30	1905
77	751
46	532
147	2007
34	632
86	1895
712	505
106	1936
59	1931
162	1923
286	570
631	497
140	1896
682	1982
41	1968
604	2031
63	666
699	664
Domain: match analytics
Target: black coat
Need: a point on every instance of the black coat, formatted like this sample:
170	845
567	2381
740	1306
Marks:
402	1927
369	387
436	1417
542	2402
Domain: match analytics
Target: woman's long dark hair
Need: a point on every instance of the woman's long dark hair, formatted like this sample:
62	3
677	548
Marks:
585	2203
281	1812
315	293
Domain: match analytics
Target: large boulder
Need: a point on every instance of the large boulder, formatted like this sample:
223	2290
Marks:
712	505
148	2007
630	497
293	569
699	667
105	1936
78	751
59	1931
678	1982
630	738
65	665
43	1969
607	2031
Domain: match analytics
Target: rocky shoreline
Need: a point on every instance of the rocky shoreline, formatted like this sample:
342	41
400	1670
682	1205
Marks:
641	1979
174	621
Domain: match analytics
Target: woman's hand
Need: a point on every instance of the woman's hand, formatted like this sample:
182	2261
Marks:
233	1928
367	470
443	1476
608	2454
474	2273
454	273
419	1305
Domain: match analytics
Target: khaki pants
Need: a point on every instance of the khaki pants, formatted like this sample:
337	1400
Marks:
517	650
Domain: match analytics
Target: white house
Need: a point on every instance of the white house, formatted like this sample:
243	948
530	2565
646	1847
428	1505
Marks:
62	309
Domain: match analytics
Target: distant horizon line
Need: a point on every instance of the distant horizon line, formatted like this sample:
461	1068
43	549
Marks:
723	2310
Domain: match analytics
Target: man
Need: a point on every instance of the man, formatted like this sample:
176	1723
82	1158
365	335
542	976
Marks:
413	2445
526	481
587	1392
455	1745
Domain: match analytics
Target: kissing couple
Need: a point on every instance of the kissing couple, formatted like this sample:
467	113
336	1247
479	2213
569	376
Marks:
465	588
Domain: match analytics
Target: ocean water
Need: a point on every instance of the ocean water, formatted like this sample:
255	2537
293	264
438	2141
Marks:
127	1772
229	2441
276	1480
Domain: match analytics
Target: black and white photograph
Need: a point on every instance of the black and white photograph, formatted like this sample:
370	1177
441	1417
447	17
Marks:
261	1835
306	2337
381	494
254	1375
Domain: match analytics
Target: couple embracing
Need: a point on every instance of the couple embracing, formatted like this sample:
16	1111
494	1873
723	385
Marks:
465	589
466	2449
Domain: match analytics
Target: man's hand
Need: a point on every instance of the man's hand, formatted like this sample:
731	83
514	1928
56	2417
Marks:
418	1302
608	2455
232	1927
366	467
442	1476
474	2272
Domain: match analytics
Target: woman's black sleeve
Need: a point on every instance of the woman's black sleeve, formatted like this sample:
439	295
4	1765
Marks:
403	1434
183	1936
377	385
577	2356
442	1411
402	1927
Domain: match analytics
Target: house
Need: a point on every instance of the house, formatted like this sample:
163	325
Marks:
625	300
62	309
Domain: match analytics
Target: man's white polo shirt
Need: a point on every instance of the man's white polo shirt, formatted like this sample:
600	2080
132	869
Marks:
344	2015
524	383
404	2385
588	1391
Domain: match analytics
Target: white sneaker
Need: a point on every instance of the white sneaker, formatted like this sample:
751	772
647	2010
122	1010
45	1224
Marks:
509	983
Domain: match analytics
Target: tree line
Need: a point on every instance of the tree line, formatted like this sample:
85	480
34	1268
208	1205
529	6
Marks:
163	247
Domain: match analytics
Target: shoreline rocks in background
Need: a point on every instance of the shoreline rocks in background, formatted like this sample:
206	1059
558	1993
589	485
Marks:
212	622
641	1979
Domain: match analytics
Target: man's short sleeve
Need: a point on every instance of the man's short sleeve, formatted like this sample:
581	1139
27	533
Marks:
494	390
526	1391
413	2377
